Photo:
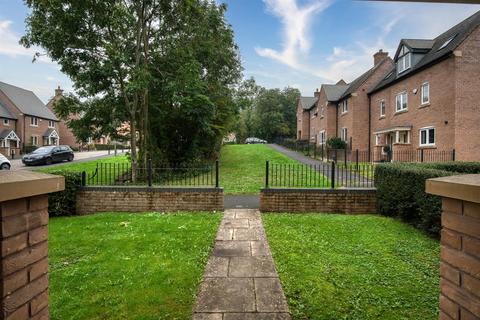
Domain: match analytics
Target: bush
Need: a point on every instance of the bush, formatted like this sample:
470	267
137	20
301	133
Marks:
63	203
460	167
401	193
336	143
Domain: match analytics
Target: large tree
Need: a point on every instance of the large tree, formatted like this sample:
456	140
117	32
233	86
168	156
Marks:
166	67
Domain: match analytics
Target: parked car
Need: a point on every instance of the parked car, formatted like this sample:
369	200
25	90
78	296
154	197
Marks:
253	140
48	155
4	163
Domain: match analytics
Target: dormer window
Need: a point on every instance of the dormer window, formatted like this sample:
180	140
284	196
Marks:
404	61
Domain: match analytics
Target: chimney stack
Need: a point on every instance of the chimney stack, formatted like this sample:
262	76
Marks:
58	92
379	57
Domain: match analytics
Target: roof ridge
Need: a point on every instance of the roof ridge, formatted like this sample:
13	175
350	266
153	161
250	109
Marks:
17	87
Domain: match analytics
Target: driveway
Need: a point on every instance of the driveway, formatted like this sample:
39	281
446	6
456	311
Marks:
78	157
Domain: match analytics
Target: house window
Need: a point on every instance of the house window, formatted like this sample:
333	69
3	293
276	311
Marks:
427	137
425	93
6	122
403	137
322	137
34	140
344	134
34	121
322	111
312	133
51	124
382	108
401	101
404	60
344	106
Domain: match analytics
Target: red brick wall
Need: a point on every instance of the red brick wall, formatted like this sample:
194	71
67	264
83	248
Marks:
131	199
467	98
440	112
460	260
350	201
24	265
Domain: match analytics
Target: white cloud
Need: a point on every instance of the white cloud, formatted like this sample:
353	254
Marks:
295	33
49	78
10	46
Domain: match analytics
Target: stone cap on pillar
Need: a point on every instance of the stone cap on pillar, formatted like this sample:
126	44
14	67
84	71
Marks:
25	183
463	187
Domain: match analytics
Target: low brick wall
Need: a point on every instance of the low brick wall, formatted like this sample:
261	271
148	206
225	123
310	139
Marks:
141	199
350	201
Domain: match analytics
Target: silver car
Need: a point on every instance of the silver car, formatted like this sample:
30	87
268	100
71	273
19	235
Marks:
4	163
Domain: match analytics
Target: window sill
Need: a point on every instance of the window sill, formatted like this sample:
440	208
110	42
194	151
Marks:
343	113
401	111
424	105
427	147
35	126
381	117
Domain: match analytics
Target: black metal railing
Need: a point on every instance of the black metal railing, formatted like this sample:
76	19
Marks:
328	175
349	155
122	174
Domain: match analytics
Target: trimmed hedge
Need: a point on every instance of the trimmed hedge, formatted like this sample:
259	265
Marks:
401	191
63	203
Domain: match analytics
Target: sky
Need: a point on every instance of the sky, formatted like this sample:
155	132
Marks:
297	43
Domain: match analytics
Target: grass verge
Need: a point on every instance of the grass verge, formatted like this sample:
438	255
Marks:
354	267
128	266
242	167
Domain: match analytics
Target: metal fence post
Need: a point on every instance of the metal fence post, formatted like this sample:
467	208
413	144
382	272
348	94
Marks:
315	151
266	174
323	152
217	183
332	174
356	157
84	178
345	156
453	155
149	172
421	155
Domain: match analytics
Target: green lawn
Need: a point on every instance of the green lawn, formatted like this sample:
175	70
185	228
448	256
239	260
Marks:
242	168
128	266
88	166
354	267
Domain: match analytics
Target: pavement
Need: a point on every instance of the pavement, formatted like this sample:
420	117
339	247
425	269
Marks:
247	201
78	157
240	279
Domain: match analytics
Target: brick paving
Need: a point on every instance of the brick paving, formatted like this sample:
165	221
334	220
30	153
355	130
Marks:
240	280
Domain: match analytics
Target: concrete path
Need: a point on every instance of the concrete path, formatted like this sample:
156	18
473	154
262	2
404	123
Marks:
343	176
242	201
240	280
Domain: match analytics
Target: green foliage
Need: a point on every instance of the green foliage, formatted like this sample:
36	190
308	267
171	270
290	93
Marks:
63	203
454	166
128	266
354	267
167	68
401	192
336	143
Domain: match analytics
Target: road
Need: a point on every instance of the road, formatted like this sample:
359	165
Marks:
78	157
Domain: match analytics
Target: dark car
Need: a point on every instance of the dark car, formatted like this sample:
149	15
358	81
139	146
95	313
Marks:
48	155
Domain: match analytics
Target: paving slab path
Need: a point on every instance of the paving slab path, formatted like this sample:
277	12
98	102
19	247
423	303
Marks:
240	280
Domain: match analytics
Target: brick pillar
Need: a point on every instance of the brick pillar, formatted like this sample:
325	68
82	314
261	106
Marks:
460	245
24	232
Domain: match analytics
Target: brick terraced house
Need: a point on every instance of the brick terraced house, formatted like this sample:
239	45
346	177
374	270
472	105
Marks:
24	120
425	99
431	99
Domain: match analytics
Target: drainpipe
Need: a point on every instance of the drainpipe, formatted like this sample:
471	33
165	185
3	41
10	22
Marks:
369	126
336	120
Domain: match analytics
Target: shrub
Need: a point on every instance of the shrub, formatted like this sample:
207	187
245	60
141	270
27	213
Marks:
63	203
336	143
460	167
401	193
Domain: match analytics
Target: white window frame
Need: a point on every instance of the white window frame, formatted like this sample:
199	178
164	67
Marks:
6	122
378	138
404	62
34	140
427	143
344	105
322	112
322	136
33	122
382	108
403	101
422	91
344	134
51	124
